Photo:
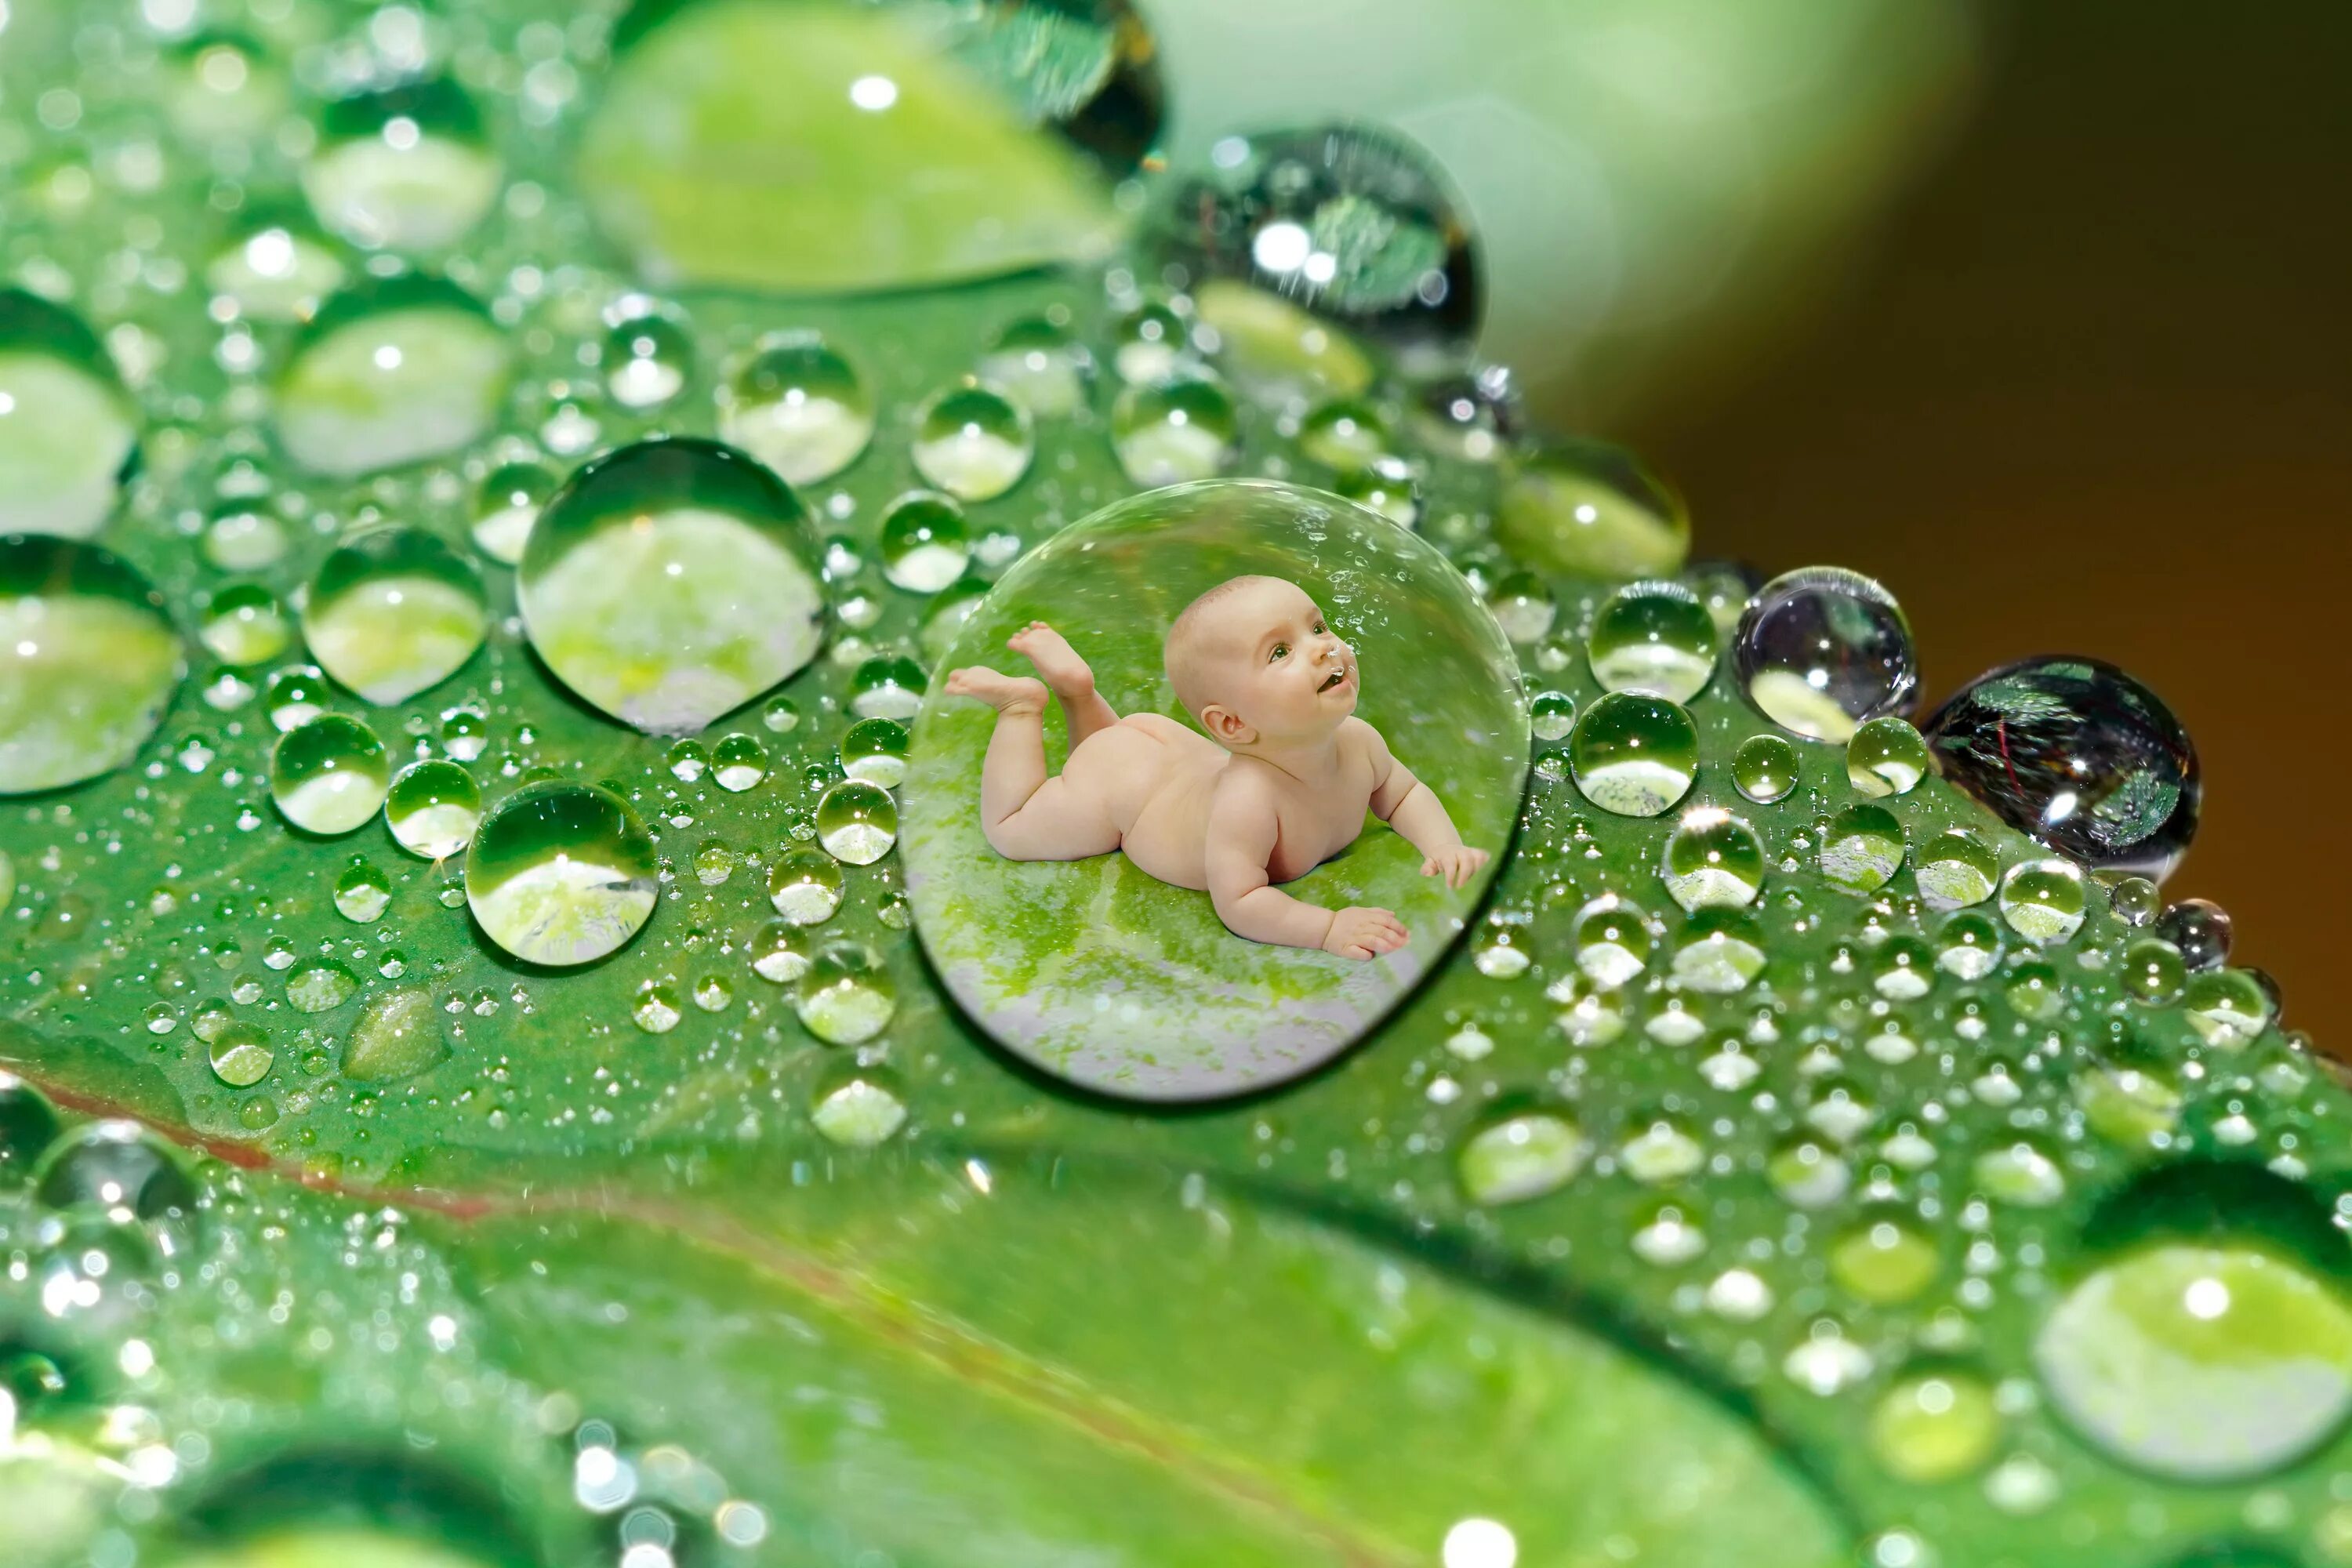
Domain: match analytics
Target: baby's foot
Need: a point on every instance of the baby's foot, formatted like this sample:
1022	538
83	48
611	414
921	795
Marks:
1006	693
1055	660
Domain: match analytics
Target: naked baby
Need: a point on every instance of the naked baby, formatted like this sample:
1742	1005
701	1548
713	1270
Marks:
1280	783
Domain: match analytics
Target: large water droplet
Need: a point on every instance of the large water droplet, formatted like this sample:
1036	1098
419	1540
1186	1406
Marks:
394	612
2042	899
1655	637
1823	650
27	1127
799	406
925	545
1520	1157
1956	869
329	775
406	168
1038	360
2078	755
973	442
1592	508
433	808
1170	431
1862	848
857	822
390	372
1713	861
397	1037
120	1170
561	873
845	997
87	661
67	428
1632	754
671	581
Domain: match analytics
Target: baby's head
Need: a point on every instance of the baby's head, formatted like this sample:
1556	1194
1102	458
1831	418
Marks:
1252	660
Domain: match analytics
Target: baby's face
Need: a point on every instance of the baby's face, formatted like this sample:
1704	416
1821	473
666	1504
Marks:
1284	671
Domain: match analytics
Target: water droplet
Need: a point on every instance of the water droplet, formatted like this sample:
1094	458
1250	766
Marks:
739	762
1170	431
845	997
1551	715
1862	848
671	581
68	429
924	546
2136	901
119	1169
2153	973
1884	1259
2078	755
1721	952
393	612
1521	1156
805	886
2019	1173
799	406
1387	486
363	892
243	625
2200	929
973	442
1808	1173
1885	756
648	354
398	1036
240	538
1347	435
275	267
1765	768
1655	637
240	1056
875	749
294	695
1589	508
2042	899
782	715
505	506
88	662
858	1107
1660	1149
1956	869
319	985
1934	1427
1353	223
1632	754
2227	1007
781	952
1037	361
1613	941
857	822
561	873
888	688
657	1008
406	168
329	775
27	1127
433	808
393	371
1823	650
2129	1102
1712	860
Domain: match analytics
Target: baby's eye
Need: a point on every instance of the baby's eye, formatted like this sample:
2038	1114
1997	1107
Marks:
1279	649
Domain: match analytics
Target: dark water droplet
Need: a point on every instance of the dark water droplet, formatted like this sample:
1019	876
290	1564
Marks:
1822	651
2199	927
27	1126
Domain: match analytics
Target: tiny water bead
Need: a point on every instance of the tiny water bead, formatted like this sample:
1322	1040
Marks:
392	612
1588	508
393	371
1765	768
432	809
648	354
2078	755
1712	860
1862	848
858	1107
561	873
1653	638
857	822
875	749
925	545
845	997
1352	222
329	775
799	406
505	506
2201	1362
405	168
1886	756
243	625
88	660
805	885
1040	361
671	581
1934	1427
1956	869
68	429
2042	901
1820	651
398	1036
1520	1157
2199	927
1633	756
1167	432
973	441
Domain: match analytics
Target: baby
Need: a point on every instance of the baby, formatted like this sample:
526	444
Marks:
1279	786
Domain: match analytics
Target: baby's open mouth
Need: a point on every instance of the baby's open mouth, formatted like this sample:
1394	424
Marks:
1338	676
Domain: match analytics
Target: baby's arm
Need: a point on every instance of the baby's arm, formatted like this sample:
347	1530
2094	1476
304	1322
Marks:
1241	831
1412	808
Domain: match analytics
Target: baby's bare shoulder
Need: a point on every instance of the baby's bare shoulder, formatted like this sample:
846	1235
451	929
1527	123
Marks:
1356	732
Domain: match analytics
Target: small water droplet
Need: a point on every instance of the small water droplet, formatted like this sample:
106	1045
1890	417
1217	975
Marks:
1653	638
329	775
1518	1157
1166	432
800	408
973	442
1632	754
561	873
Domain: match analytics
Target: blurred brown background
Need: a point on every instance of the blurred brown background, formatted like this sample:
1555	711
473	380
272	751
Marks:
2089	389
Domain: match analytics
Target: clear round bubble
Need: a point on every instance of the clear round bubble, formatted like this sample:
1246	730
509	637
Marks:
857	822
88	660
1886	756
857	1106
845	997
1613	943
799	406
294	695
393	612
973	442
887	687
329	775
1633	756
243	625
1956	869
2078	755
2042	901
875	749
925	545
1516	1158
739	762
1864	847
1712	860
1720	953
1038	360
392	372
1589	508
805	886
648	354
69	428
433	808
561	873
402	168
2199	927
1170	431
1765	768
671	581
1822	651
1655	637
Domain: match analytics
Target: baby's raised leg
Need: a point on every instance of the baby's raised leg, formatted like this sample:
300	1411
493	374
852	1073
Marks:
1025	815
1083	710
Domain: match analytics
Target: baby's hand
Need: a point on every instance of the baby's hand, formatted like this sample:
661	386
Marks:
1362	934
1454	865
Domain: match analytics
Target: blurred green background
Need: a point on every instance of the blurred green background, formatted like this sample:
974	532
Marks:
2041	313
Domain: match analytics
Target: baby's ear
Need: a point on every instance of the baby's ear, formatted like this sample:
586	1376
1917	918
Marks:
1222	724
